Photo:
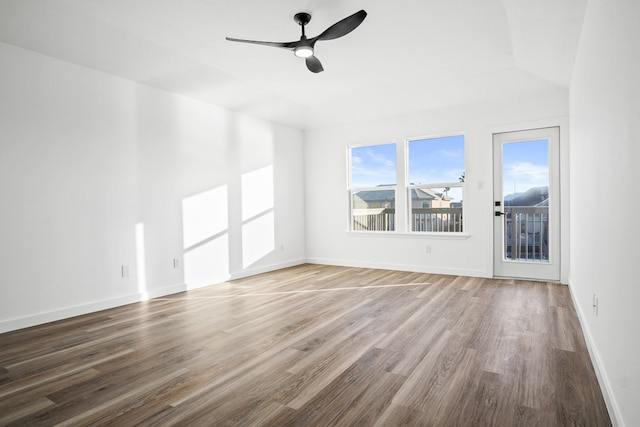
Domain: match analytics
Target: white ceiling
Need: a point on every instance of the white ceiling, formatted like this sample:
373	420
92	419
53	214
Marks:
407	56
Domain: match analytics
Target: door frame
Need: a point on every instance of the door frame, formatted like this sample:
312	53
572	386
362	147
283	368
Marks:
561	205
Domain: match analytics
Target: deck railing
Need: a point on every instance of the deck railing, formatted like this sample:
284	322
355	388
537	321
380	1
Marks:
374	219
526	233
422	219
448	220
526	228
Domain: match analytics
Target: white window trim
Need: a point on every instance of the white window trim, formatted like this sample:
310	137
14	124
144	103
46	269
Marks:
428	235
408	186
351	190
402	190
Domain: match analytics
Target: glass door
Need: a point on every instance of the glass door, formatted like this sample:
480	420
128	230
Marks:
526	204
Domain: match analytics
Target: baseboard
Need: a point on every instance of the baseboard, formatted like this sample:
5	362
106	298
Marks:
68	312
266	269
401	267
598	367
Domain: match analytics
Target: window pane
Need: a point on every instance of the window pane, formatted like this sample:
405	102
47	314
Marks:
374	210
525	191
436	209
436	160
525	166
373	165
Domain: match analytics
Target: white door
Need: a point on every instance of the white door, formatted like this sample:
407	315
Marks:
527	204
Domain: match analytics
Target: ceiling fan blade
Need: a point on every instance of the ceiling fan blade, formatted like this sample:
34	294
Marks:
284	45
314	65
342	28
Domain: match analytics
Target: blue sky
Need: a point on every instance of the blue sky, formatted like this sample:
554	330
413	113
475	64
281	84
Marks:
373	165
433	160
436	160
441	160
525	165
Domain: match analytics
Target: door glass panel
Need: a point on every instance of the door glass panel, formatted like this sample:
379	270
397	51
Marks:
525	197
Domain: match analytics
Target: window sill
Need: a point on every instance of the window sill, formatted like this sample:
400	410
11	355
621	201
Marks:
417	235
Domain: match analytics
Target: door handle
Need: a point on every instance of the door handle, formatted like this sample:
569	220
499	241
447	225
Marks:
499	213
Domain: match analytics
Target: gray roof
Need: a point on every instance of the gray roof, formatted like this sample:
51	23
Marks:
535	196
387	195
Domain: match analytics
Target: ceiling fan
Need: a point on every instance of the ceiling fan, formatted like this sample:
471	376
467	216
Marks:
303	48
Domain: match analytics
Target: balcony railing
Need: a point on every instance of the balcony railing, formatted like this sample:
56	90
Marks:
526	228
526	233
422	219
527	225
383	219
448	220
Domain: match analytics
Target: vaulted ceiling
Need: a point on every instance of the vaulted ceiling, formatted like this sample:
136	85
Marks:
407	56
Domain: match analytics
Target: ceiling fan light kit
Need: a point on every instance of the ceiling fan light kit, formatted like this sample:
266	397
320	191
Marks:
304	48
303	51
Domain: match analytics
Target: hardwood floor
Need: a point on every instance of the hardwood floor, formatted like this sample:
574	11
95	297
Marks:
312	345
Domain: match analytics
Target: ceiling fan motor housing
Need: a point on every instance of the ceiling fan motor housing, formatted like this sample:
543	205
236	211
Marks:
302	18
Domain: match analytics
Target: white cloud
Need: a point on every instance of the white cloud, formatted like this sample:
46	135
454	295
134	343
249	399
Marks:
451	153
526	175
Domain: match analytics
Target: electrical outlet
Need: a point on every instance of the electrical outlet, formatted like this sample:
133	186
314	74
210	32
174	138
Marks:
427	250
176	263
595	304
124	271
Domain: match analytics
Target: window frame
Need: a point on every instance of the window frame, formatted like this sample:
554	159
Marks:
351	190
403	189
432	185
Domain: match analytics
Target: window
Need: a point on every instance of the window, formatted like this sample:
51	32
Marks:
436	177
432	179
373	187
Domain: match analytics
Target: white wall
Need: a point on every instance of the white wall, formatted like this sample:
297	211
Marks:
605	161
86	159
326	200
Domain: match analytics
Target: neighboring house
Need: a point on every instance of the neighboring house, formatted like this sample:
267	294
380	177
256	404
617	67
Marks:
375	210
427	198
535	196
374	199
420	198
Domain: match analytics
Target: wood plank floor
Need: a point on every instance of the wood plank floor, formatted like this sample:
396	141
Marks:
312	346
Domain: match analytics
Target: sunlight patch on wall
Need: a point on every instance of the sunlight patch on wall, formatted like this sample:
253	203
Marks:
258	238
204	215
257	192
258	220
208	263
205	223
141	261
